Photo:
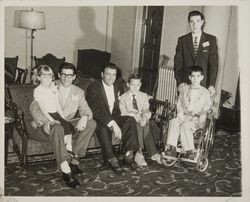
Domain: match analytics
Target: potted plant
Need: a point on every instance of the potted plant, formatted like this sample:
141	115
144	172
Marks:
229	118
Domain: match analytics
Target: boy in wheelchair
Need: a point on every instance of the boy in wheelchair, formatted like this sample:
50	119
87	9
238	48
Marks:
193	104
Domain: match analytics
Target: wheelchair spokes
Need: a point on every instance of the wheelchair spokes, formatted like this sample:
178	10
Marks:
202	163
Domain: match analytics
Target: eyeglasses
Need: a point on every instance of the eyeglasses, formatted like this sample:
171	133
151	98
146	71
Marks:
70	76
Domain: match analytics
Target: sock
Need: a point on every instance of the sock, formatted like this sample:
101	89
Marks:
65	167
68	142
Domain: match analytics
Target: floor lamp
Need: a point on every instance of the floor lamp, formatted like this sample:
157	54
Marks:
32	20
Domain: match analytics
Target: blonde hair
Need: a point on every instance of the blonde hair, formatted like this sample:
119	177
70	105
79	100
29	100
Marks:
38	72
44	69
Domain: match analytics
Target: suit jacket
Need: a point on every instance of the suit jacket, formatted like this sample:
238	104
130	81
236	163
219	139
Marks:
126	104
199	104
207	58
97	100
75	102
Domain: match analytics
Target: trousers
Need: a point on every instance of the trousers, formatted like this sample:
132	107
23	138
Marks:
145	137
129	139
184	131
80	139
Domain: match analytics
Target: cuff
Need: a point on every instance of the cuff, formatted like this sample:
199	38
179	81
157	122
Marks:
110	123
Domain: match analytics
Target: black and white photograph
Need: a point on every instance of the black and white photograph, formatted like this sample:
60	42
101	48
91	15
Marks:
109	100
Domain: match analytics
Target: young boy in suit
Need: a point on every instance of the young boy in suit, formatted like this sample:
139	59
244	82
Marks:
135	103
193	103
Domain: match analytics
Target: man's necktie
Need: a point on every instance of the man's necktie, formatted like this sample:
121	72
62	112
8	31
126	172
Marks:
134	103
195	45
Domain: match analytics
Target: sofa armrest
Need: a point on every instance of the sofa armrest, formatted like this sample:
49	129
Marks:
18	115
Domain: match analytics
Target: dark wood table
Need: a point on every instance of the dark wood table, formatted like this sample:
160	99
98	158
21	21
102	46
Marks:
9	124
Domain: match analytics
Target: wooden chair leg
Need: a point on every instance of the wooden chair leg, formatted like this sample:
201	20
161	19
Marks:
24	153
18	153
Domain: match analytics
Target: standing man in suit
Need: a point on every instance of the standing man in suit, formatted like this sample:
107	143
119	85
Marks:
197	49
102	97
72	100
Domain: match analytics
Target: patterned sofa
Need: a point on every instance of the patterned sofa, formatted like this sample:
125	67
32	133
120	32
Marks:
28	146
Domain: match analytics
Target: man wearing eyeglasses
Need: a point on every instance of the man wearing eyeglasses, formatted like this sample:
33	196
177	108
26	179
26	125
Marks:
72	100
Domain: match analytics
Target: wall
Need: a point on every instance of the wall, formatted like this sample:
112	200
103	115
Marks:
72	28
67	29
124	19
232	68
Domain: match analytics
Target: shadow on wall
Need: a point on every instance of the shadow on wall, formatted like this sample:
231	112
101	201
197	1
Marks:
91	37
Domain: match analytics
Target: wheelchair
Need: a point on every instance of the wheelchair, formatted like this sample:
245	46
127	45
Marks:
203	142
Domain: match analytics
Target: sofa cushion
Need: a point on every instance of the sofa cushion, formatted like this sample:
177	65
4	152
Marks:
83	83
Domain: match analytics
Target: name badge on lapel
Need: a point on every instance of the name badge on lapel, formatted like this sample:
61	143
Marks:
74	97
205	44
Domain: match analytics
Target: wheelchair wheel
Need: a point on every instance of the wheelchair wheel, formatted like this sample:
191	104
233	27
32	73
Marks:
202	159
202	163
209	139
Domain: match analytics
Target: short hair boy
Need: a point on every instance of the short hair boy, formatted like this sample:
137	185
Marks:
193	103
135	103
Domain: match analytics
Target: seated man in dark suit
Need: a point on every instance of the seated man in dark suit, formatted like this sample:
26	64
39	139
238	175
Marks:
102	97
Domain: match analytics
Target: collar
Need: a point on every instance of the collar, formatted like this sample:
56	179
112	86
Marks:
107	86
65	89
132	94
195	87
197	35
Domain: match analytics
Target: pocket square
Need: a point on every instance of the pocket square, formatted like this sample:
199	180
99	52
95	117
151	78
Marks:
205	44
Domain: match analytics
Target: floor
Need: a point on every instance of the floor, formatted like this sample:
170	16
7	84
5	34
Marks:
222	177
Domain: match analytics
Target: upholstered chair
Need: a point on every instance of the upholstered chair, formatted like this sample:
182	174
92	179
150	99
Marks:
91	61
14	74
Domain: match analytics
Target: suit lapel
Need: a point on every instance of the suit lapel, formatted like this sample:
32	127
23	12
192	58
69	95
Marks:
116	92
67	99
190	45
202	40
104	95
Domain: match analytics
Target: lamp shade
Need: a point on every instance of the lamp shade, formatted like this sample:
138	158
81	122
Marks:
31	20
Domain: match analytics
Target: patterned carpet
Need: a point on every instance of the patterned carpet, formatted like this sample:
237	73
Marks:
222	178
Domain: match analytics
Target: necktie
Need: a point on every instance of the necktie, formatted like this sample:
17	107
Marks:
195	45
134	102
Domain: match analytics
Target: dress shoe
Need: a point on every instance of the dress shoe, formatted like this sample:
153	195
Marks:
171	151
139	159
70	180
157	158
191	154
75	169
115	167
129	160
73	157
